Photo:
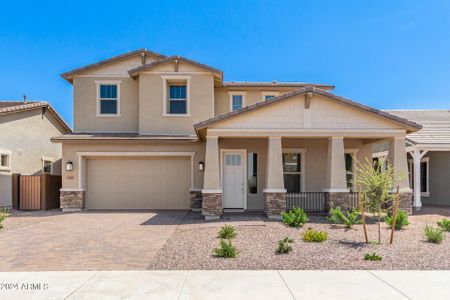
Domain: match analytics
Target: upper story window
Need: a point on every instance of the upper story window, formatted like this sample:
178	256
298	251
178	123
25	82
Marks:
108	98
269	95
177	99
176	90
5	160
237	100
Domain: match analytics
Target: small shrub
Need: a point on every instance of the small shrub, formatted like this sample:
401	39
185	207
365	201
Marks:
349	218
295	217
434	235
3	215
227	232
226	250
444	224
313	236
402	220
284	245
372	256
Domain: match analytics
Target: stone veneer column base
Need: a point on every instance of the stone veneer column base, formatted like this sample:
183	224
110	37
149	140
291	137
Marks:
72	200
405	203
343	200
274	205
196	200
212	207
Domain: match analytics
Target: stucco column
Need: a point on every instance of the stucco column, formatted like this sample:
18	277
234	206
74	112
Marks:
212	190
398	159
274	191
336	180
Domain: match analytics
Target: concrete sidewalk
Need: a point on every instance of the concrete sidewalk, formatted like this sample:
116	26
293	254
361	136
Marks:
226	285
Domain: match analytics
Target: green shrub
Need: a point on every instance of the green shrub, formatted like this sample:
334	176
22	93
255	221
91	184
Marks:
434	235
402	220
227	232
349	218
3	215
226	250
372	256
444	224
284	245
313	236
295	217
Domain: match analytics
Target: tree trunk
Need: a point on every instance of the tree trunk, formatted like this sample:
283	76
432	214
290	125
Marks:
379	226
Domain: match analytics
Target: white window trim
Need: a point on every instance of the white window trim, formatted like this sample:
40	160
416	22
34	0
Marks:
165	99
264	94
354	153
236	93
50	159
106	82
411	174
302	152
9	154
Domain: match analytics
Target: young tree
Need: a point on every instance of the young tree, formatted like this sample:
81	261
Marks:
376	180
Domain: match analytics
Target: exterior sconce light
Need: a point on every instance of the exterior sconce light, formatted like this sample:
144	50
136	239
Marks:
201	166
69	166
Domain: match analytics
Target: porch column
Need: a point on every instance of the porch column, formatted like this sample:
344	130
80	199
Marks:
337	193
212	190
417	156
274	192
398	160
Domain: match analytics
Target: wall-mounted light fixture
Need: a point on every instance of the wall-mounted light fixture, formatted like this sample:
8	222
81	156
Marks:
201	166
69	166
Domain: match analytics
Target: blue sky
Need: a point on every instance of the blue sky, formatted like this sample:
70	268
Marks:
387	54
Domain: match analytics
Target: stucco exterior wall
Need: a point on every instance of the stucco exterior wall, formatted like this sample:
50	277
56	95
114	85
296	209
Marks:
27	135
70	179
85	106
439	178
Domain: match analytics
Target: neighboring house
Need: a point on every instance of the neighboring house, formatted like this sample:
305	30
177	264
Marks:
166	132
428	155
25	147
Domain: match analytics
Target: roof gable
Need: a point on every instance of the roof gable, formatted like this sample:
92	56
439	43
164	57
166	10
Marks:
308	107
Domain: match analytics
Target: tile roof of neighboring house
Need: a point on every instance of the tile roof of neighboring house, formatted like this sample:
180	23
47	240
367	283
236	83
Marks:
274	84
120	136
435	125
8	107
135	71
310	89
69	75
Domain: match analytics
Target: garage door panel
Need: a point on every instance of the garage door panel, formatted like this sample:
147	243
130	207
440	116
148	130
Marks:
144	183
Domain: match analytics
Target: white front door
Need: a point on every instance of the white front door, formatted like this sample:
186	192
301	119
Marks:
233	179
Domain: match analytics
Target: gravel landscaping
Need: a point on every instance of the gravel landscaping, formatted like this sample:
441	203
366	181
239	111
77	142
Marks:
191	245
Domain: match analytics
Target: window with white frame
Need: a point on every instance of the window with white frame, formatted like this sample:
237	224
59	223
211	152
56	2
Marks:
47	165
293	170
237	100
177	98
108	98
5	160
269	95
424	175
350	169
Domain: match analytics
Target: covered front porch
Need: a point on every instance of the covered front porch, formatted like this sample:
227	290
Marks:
277	173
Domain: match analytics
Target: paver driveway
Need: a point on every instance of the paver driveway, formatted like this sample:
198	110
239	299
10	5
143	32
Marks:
107	240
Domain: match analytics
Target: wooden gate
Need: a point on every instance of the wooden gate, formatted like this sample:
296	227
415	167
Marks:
38	192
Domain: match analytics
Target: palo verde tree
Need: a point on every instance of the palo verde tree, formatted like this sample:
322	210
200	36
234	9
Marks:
376	180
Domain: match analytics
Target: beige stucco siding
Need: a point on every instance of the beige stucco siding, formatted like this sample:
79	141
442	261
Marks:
138	183
27	136
291	114
85	106
70	179
151	118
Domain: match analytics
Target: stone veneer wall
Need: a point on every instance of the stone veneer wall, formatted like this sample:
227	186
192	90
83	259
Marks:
343	200
196	200
274	203
212	205
72	200
405	202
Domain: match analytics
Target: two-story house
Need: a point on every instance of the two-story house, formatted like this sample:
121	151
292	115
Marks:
165	132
